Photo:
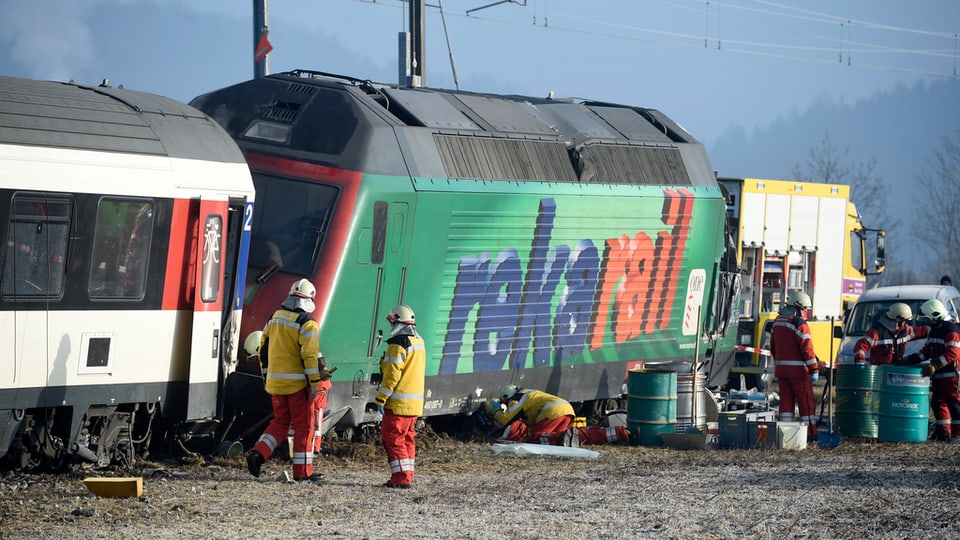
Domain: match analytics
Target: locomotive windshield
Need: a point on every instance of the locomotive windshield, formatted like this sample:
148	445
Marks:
291	219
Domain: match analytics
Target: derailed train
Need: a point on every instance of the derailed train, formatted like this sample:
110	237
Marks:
554	244
549	243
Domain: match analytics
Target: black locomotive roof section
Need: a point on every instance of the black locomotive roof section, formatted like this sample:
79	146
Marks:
387	129
524	115
66	115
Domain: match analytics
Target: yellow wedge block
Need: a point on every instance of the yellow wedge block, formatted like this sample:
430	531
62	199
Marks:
115	487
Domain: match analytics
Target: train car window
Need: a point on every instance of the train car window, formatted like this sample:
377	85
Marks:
121	248
211	272
290	225
37	246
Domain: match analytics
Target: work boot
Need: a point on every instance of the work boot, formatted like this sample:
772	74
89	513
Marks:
571	438
391	485
254	461
314	478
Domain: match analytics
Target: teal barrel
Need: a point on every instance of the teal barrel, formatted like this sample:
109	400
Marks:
904	404
857	403
651	405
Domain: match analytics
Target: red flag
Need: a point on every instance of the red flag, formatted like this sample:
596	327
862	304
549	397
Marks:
263	48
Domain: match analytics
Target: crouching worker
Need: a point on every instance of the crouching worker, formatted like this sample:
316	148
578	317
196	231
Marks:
538	417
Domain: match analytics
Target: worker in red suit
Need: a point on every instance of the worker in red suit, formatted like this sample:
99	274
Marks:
795	363
942	349
885	341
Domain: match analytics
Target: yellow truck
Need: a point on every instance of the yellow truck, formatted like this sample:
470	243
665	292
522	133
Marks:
791	236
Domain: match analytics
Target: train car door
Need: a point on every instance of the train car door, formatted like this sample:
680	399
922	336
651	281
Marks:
38	232
208	296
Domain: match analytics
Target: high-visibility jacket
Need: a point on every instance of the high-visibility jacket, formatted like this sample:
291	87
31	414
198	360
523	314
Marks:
533	406
880	345
792	348
289	348
942	348
402	371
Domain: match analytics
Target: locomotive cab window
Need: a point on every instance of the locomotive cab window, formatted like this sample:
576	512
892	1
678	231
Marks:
290	225
121	248
36	246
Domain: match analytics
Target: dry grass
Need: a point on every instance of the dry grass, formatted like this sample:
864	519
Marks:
861	489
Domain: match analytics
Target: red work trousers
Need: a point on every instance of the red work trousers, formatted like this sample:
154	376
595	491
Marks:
291	410
319	404
603	435
798	392
945	401
398	436
543	432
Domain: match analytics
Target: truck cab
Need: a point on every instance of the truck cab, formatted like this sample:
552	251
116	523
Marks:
795	236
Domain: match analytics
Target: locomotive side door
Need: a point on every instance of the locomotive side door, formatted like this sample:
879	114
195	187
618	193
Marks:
388	254
208	294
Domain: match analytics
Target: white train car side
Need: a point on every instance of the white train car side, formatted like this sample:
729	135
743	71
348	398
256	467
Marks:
125	219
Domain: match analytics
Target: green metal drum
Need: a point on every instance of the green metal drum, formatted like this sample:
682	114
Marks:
904	404
857	402
651	405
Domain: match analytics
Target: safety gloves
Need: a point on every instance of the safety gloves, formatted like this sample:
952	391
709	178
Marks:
913	359
490	407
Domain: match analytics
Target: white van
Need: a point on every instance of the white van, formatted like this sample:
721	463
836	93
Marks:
875	302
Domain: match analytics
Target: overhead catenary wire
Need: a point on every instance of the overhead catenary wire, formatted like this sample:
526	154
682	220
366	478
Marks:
802	46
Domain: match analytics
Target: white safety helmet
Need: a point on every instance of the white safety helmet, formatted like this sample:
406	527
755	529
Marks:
401	314
799	299
933	310
507	391
252	343
899	312
303	288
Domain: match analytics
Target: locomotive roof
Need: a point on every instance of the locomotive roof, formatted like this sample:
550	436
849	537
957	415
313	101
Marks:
436	133
101	118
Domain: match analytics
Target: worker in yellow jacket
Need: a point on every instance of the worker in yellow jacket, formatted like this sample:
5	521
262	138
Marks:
400	395
289	347
538	417
535	416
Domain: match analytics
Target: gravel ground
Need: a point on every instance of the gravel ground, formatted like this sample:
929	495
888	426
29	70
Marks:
861	489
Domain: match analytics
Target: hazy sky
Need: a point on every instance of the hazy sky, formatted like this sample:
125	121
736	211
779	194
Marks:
711	65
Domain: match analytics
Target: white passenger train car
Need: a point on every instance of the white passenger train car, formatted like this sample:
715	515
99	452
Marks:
125	218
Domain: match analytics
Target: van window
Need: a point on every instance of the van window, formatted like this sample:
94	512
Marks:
953	306
864	314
